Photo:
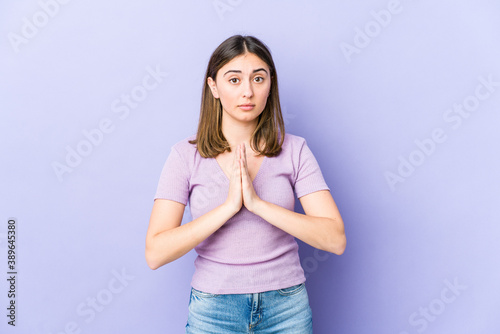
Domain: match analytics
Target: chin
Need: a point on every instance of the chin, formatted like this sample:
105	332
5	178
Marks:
245	116
250	115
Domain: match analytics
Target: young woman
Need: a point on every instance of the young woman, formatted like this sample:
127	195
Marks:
240	174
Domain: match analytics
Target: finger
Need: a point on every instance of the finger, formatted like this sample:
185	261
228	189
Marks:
243	159
244	173
237	157
245	156
238	152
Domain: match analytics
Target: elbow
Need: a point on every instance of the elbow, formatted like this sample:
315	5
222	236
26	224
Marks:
341	247
338	241
152	264
152	259
338	245
149	255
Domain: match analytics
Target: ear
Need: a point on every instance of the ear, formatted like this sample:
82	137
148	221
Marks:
213	87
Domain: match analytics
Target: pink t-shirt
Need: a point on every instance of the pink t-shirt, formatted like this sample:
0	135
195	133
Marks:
246	254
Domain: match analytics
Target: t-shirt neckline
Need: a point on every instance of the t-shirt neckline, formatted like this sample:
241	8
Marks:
220	170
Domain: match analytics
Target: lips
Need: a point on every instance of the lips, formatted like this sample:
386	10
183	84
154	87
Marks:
247	106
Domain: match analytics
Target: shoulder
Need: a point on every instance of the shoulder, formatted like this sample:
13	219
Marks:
297	149
184	151
293	143
291	150
184	147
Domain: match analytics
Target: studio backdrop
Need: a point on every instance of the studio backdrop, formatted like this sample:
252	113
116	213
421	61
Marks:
399	100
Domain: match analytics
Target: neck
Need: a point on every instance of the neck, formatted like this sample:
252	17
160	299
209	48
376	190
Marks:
237	132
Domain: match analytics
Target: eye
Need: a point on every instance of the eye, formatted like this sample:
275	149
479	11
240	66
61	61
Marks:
258	79
234	80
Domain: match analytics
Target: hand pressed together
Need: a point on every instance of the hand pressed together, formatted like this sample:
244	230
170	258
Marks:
241	191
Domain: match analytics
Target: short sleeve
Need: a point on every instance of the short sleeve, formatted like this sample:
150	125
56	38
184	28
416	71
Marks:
174	179
309	178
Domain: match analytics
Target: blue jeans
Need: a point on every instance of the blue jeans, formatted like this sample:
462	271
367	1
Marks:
277	311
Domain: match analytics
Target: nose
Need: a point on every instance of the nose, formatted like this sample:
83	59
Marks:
247	89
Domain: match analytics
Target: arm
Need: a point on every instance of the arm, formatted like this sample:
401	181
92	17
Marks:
168	240
321	226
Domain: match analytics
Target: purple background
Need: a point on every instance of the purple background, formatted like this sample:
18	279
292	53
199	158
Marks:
361	113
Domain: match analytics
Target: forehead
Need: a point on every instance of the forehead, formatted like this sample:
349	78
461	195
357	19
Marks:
245	63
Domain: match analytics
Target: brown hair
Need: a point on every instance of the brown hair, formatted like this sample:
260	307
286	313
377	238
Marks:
270	129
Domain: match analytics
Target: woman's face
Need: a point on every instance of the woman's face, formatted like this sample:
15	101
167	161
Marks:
242	85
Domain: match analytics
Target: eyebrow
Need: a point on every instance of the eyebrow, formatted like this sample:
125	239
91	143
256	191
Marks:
254	71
